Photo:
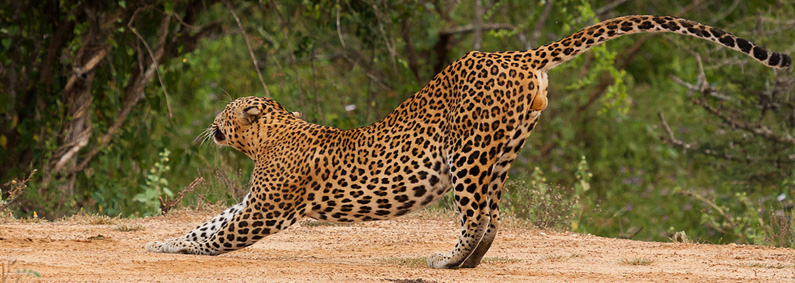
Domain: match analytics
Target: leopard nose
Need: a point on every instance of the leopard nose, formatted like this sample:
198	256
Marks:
219	136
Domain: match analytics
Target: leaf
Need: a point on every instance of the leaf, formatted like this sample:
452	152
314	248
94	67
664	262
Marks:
169	7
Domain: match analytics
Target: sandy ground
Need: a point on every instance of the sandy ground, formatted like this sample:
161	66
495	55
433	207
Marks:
388	251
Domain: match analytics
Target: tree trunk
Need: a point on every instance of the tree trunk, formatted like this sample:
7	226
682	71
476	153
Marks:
76	130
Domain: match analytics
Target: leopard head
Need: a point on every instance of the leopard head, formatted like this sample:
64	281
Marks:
246	122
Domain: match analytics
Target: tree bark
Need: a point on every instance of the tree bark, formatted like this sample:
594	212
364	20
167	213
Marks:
477	38
76	131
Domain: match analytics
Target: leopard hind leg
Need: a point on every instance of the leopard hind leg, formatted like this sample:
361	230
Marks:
470	182
498	177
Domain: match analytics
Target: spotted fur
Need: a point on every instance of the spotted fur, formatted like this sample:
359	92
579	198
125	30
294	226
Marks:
462	131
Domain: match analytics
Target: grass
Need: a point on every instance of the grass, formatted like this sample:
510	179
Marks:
421	262
638	261
681	237
779	230
765	265
414	262
500	260
6	274
129	227
316	223
560	258
91	219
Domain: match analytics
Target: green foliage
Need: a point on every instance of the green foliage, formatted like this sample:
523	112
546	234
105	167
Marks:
6	273
155	185
548	207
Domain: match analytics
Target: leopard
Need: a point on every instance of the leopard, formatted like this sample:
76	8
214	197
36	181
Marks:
460	132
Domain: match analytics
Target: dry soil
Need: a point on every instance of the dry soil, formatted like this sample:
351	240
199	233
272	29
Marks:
74	250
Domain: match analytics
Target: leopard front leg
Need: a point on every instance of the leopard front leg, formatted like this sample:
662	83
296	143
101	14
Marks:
188	243
237	227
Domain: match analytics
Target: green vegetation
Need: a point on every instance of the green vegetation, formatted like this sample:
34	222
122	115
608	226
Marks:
6	275
643	137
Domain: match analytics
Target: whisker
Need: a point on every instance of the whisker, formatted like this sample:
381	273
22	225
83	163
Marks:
201	137
209	134
227	95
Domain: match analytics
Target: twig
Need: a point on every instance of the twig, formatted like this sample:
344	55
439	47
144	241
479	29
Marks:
477	40
17	190
390	45
372	77
250	50
166	204
134	93
671	139
610	6
626	57
176	15
471	28
88	67
758	130
700	88
729	220
633	234
339	29
686	146
542	20
152	55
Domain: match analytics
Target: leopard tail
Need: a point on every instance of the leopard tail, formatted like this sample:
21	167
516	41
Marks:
556	53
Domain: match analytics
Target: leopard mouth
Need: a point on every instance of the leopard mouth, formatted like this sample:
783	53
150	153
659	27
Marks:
218	136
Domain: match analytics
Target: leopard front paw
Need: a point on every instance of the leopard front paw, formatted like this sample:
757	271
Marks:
441	261
155	247
172	246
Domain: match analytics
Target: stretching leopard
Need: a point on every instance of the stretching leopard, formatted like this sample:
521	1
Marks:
462	131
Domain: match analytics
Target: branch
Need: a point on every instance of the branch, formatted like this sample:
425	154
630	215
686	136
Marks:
339	30
411	53
134	91
477	40
542	20
626	57
166	204
358	62
757	130
250	50
471	28
703	87
166	20
610	6
700	87
17	190
673	140
80	72
717	208
390	45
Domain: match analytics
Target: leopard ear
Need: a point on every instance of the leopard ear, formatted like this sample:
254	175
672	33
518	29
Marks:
297	114
251	113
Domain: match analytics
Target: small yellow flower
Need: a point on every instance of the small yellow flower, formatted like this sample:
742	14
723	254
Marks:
35	215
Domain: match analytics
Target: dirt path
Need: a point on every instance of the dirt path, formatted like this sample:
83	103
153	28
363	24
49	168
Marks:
386	251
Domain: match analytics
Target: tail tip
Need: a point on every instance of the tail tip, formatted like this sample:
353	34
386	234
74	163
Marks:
779	60
786	61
